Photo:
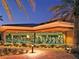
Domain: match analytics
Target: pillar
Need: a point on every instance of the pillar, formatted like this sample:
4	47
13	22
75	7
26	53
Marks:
70	38
4	37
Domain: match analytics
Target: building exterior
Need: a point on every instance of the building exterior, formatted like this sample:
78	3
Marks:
54	32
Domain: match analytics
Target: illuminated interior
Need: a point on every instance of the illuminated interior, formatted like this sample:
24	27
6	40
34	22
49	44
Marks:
40	38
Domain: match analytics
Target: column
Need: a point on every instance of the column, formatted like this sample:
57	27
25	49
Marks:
4	37
12	39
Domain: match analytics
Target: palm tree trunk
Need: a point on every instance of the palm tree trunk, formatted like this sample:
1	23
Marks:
76	31
76	21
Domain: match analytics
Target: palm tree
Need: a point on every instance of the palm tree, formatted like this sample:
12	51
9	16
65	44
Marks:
69	10
64	10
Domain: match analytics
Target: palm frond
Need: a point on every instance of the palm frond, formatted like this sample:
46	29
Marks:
6	7
32	3
61	13
68	17
63	10
21	6
68	1
57	15
56	8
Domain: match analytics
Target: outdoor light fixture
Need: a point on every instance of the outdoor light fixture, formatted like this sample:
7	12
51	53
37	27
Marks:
32	48
69	50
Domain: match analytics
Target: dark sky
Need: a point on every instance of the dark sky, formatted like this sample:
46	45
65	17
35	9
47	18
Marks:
41	14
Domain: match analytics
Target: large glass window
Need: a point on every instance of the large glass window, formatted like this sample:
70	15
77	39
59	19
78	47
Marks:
19	37
8	38
50	38
39	38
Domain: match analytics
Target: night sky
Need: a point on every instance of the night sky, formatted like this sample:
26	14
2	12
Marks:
41	14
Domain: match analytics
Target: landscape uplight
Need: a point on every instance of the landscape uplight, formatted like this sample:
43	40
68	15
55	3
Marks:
32	48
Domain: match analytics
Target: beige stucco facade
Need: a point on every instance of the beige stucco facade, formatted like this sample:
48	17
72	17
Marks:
58	26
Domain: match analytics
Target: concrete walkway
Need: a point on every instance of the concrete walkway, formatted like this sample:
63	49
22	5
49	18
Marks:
45	53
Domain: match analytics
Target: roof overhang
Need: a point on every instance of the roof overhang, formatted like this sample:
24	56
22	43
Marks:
52	25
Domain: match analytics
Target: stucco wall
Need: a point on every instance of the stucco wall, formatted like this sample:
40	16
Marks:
70	38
